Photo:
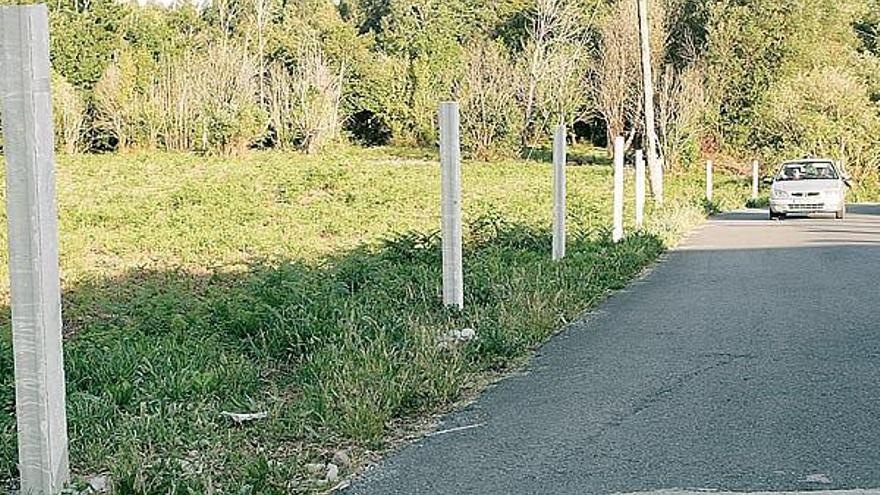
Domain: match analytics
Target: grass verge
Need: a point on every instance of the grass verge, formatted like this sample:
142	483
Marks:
308	288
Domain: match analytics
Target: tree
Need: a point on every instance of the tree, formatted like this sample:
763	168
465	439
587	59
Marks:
554	56
261	12
85	37
615	75
681	102
487	92
822	112
756	51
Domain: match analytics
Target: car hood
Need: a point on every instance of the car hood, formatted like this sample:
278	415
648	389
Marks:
819	185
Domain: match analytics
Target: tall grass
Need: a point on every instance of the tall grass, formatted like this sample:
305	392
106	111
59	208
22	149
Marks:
307	287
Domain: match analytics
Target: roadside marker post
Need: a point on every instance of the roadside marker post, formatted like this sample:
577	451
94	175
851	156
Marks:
709	185
559	160
33	249
640	189
755	179
617	234
450	209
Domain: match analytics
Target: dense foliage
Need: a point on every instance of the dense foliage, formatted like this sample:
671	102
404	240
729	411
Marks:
798	77
758	78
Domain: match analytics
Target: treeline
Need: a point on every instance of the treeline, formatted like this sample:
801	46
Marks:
761	78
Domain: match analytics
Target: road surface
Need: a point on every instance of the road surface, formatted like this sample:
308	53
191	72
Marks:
747	361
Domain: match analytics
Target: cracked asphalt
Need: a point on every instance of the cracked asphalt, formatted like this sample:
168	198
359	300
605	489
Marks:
747	361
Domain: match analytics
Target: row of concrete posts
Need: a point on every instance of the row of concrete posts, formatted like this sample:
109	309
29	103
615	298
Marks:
451	223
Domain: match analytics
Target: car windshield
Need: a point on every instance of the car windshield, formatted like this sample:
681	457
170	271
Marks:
807	171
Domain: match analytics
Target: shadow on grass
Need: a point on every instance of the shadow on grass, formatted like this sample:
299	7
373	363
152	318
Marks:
412	153
576	155
341	353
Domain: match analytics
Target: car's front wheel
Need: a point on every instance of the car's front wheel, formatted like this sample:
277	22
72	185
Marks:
841	214
776	216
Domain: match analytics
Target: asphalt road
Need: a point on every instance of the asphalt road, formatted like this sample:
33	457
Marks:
747	361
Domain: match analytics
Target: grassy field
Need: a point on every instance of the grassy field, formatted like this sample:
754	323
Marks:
307	287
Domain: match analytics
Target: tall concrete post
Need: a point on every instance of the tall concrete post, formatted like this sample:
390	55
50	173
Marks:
617	233
755	179
450	209
709	185
559	159
651	145
33	249
640	189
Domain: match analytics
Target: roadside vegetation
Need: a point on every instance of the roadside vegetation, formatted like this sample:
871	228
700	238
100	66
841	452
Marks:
763	79
309	288
248	203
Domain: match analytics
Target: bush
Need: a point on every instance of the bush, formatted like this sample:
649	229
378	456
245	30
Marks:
115	103
206	101
69	115
304	104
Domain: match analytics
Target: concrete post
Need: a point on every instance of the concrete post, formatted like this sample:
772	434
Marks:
617	234
450	210
655	165
559	160
755	179
709	185
640	189
33	249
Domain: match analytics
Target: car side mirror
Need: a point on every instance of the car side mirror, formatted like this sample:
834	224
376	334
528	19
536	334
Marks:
768	180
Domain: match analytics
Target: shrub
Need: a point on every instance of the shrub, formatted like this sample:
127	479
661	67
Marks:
116	102
69	113
205	101
304	103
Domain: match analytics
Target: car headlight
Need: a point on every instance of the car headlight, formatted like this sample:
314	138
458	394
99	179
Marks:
832	193
778	194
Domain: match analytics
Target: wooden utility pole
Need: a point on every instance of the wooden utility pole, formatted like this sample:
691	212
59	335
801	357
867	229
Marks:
654	166
32	223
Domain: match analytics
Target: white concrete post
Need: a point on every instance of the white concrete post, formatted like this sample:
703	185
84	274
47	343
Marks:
559	159
450	210
655	164
617	234
640	189
755	179
33	249
709	185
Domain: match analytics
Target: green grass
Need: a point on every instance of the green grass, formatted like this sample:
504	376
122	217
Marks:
308	287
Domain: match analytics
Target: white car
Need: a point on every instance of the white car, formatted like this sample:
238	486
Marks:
808	186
